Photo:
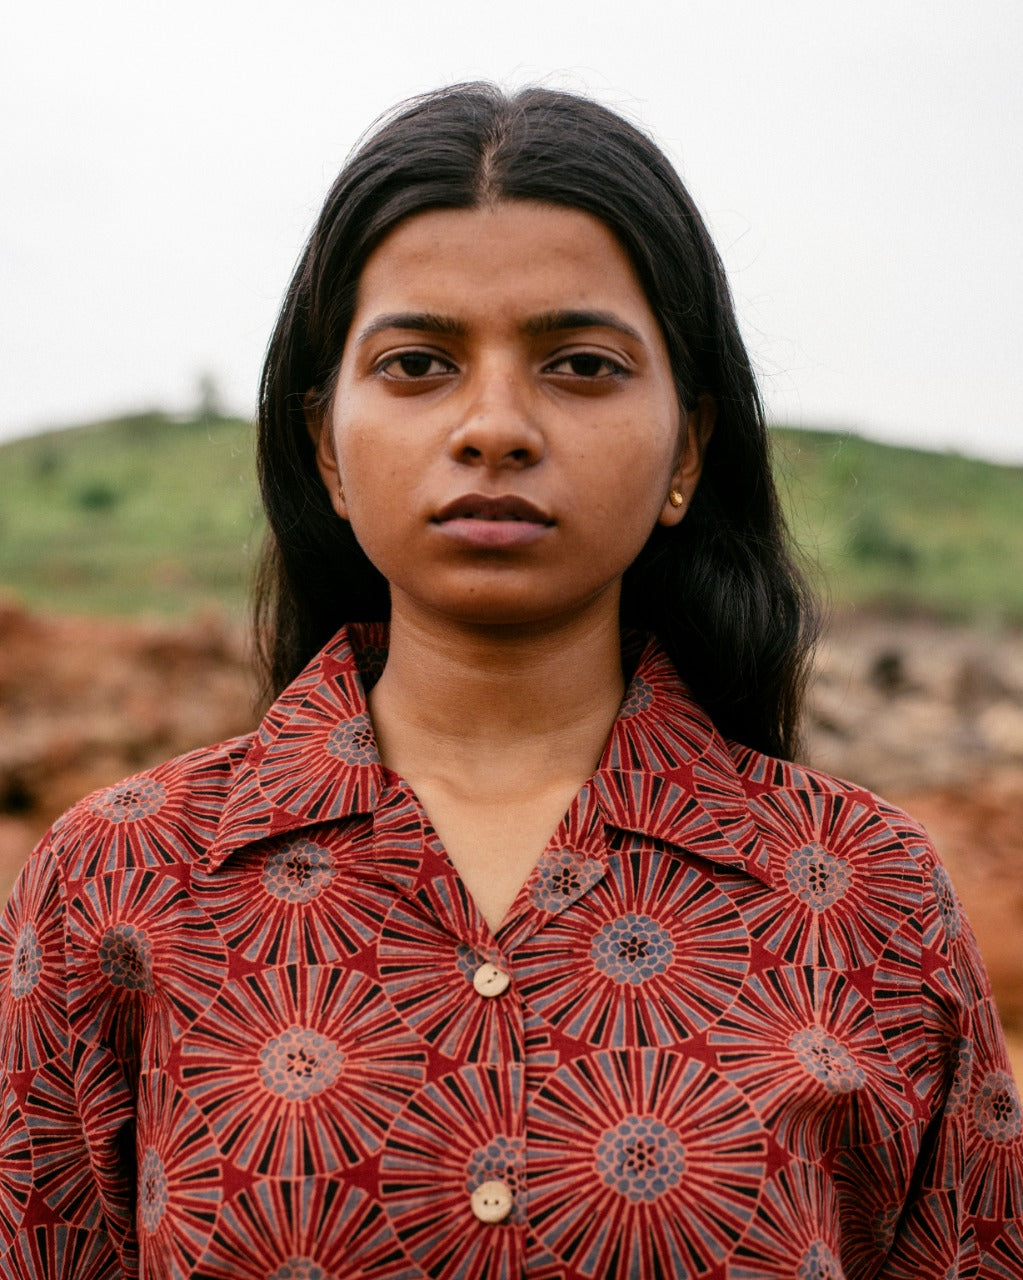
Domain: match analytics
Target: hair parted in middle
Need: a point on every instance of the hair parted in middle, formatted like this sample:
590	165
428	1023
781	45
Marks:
721	590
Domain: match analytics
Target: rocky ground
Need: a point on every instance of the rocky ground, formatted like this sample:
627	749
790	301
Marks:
931	717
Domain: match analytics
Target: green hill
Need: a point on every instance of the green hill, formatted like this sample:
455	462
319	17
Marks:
151	513
136	515
904	529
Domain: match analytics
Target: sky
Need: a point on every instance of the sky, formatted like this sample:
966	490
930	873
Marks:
857	163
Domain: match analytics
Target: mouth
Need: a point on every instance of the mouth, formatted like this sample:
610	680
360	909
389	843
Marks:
503	509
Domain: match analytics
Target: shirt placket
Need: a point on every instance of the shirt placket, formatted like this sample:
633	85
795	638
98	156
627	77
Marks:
479	1052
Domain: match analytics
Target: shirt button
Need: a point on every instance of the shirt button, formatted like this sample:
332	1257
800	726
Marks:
489	980
492	1201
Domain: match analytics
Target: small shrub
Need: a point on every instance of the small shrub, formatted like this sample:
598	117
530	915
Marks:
873	541
98	495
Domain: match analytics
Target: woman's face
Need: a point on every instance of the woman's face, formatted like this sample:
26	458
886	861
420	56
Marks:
505	427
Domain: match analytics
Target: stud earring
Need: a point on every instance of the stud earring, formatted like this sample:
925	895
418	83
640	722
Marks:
676	498
340	493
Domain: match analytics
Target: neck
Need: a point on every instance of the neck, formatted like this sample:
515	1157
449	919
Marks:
497	707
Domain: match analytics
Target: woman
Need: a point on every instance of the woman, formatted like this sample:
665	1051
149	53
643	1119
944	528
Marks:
491	953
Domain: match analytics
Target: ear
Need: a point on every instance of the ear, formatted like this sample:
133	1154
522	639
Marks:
696	431
317	424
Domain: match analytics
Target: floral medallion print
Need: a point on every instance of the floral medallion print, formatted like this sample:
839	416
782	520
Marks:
561	877
180	1181
868	1184
126	958
640	1158
910	1026
644	737
915	1250
996	1109
140	938
639	698
633	948
153	1190
294	898
849	887
15	1169
129	801
352	741
819	1262
612	973
816	877
993	1181
827	1060
31	965
429	982
948	903
641	1163
796	1229
501	1160
301	1064
298	871
58	1252
298	1268
27	962
159	818
805	1047
438	1150
321	720
61	1171
311	1229
961	1062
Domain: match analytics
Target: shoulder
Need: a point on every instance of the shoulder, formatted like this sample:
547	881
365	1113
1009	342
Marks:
843	851
162	816
817	802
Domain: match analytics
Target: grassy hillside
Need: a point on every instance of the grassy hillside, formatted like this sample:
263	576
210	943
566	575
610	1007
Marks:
903	528
156	514
140	514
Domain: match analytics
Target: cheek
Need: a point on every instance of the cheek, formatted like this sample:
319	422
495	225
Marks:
647	449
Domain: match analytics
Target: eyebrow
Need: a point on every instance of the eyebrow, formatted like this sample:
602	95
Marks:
420	321
535	326
558	321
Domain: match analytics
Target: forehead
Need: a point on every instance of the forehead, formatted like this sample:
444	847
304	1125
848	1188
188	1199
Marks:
512	255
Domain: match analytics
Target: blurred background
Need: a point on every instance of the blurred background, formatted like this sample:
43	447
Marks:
163	164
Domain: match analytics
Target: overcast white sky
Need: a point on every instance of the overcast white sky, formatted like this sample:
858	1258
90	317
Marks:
161	164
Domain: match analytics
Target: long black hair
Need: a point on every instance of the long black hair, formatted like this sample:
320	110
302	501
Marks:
720	590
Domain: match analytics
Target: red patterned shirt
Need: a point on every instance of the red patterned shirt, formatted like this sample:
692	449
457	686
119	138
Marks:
734	1025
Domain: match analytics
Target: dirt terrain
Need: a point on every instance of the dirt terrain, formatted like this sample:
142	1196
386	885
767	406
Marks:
930	717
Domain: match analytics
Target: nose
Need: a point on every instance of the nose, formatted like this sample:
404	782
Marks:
498	428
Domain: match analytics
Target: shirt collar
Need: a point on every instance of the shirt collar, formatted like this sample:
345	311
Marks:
665	772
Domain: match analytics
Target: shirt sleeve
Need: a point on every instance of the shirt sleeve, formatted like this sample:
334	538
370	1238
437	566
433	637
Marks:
65	1110
964	1214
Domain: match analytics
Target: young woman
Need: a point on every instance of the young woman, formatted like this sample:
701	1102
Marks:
493	953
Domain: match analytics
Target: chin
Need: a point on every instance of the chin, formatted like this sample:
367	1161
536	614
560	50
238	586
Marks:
485	610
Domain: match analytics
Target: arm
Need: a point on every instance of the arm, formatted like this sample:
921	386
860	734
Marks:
968	1201
62	1214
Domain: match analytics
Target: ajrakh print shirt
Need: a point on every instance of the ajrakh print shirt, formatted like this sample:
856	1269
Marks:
733	1026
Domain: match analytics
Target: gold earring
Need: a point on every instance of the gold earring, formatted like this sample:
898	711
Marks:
676	498
340	493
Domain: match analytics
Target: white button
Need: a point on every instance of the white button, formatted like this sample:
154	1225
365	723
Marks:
492	1201
489	980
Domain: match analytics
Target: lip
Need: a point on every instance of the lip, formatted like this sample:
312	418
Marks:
498	522
500	507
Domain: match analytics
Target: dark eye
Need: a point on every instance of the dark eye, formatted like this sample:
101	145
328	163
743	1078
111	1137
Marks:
414	364
587	364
